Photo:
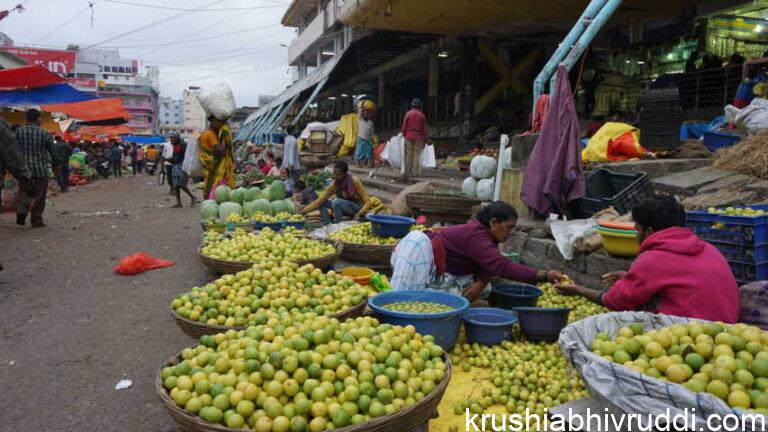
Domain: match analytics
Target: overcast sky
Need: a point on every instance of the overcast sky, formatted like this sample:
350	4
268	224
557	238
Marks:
248	54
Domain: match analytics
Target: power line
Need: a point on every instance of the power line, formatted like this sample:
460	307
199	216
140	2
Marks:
72	18
194	9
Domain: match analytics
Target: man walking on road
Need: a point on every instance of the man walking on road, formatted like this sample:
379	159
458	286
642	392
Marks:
115	159
11	159
63	152
414	130
37	146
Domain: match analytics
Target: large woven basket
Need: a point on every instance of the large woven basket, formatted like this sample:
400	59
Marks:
367	254
195	329
226	267
407	419
440	203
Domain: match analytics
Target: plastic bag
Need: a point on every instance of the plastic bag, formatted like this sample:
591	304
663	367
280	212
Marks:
191	164
428	159
567	232
139	263
628	389
219	102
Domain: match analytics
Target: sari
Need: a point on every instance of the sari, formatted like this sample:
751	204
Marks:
217	169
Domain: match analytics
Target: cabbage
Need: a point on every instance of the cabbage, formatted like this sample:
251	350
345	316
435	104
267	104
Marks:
278	206
209	209
469	187
264	194
276	191
262	206
485	190
249	208
222	194
229	207
252	194
291	207
482	167
238	195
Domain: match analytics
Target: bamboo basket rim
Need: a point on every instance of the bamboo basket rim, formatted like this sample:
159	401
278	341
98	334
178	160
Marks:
197	424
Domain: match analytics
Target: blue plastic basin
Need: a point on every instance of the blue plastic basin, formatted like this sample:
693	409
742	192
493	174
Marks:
514	295
443	326
542	324
390	225
488	326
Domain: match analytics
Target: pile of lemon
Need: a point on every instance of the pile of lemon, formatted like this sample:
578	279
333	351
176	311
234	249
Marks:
363	234
266	245
580	307
280	217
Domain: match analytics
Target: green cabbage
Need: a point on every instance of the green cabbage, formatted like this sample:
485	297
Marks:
252	194
238	195
289	205
278	206
262	206
229	207
222	194
277	191
209	209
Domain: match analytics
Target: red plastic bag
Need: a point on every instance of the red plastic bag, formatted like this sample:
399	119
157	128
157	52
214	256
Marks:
139	263
624	148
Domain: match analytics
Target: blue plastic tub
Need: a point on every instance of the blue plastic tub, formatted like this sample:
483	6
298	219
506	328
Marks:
509	296
714	140
443	326
542	324
390	226
488	326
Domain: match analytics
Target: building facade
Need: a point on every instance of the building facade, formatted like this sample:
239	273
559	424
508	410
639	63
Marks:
171	112
194	114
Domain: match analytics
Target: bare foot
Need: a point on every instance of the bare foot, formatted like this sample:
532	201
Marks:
193	203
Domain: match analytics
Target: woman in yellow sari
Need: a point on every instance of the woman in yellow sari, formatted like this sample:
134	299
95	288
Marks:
217	156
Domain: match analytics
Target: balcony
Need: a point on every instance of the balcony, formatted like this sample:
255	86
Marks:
313	31
139	106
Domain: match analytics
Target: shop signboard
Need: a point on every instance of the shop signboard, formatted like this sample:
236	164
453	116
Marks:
57	61
83	82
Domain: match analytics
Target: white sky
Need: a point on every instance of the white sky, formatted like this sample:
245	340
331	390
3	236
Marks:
252	61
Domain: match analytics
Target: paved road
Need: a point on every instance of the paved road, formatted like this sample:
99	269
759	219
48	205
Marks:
70	328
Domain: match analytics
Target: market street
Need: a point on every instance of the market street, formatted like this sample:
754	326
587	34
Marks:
72	328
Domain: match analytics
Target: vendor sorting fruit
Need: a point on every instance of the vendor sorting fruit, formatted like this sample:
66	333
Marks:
352	200
676	272
462	259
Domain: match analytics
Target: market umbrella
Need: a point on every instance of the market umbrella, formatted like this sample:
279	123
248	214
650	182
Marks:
554	176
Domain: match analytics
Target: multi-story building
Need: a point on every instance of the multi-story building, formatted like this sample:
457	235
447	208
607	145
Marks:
194	114
188	134
171	112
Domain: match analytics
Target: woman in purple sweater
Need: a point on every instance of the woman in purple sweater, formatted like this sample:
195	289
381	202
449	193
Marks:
462	258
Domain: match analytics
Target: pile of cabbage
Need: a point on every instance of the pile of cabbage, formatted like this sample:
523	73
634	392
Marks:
481	184
247	201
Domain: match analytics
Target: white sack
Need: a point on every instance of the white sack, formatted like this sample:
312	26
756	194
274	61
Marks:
219	101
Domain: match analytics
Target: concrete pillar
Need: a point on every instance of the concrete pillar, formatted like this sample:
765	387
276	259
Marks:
433	84
319	57
382	97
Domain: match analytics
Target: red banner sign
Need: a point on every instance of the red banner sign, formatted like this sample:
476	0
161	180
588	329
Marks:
83	82
56	61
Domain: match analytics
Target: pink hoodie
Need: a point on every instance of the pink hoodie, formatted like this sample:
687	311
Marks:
683	275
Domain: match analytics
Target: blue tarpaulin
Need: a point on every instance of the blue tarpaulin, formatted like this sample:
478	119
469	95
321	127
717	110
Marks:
52	94
144	139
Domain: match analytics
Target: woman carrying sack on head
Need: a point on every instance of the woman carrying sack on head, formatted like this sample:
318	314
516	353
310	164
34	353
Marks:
217	156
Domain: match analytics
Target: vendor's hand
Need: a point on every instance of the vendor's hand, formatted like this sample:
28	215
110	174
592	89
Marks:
552	276
473	290
567	289
611	278
357	217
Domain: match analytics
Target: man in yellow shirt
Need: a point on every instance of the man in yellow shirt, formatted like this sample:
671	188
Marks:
351	198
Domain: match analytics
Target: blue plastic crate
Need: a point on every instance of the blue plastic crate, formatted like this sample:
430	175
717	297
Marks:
737	229
714	140
749	272
750	253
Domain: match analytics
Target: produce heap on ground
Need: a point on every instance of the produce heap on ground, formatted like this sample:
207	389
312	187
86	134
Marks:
480	185
305	374
728	361
580	306
363	234
245	246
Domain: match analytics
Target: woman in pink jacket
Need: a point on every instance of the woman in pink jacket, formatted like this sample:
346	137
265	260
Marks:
676	272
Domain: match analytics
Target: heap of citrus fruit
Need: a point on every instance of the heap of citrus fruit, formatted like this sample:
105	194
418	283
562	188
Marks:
728	361
266	244
248	297
525	375
580	307
311	374
280	217
363	234
417	307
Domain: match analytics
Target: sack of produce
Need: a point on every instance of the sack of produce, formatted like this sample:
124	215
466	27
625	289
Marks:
482	167
469	187
485	189
219	102
651	373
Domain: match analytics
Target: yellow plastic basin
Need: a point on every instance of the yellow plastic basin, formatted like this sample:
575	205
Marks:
620	244
361	275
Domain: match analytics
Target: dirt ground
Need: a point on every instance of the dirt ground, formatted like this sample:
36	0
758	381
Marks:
70	328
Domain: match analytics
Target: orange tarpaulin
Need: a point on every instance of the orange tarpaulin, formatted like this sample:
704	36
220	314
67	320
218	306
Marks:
92	110
105	130
27	77
20	118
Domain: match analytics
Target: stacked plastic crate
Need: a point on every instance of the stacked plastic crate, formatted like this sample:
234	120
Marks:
743	240
660	119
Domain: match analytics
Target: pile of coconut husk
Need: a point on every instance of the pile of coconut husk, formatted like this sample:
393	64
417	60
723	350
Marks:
749	157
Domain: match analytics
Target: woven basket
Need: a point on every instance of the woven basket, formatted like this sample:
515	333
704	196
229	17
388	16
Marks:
227	267
407	419
368	254
195	329
440	203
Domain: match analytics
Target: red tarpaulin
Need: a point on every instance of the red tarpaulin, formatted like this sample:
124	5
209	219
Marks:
28	77
92	110
105	130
